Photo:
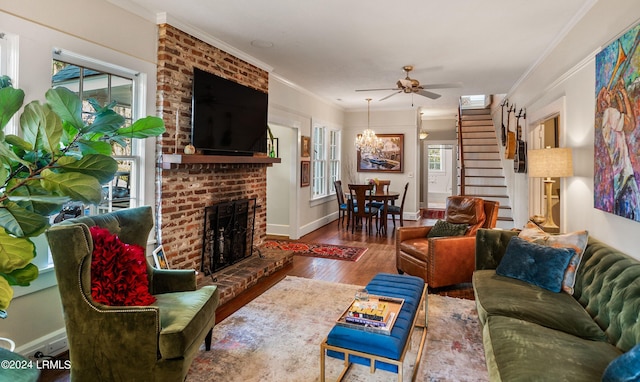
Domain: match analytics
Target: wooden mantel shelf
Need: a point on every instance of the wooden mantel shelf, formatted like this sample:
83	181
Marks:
169	159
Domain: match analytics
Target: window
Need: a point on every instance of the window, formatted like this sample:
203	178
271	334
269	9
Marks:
325	160
107	86
319	179
334	158
436	157
3	54
9	67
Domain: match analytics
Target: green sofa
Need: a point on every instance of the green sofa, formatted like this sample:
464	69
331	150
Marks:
128	343
530	333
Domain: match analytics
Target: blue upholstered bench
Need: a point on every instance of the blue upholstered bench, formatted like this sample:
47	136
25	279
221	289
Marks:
377	350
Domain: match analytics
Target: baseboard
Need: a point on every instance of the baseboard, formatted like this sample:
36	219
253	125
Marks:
51	344
411	215
314	225
278	229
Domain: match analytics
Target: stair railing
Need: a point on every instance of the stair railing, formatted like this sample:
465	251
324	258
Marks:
461	150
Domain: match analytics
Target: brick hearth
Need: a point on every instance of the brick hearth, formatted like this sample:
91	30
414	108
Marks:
247	273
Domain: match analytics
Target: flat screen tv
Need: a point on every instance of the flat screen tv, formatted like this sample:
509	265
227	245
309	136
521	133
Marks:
227	118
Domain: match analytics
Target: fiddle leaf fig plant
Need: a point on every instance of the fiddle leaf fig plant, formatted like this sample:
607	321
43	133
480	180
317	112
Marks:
59	157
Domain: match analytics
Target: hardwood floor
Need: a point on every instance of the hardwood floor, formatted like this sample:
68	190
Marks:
380	257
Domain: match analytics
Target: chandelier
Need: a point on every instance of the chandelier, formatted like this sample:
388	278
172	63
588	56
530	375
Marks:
368	142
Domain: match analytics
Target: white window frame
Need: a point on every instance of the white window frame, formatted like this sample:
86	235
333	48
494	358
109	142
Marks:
440	148
335	155
318	162
9	67
326	161
137	152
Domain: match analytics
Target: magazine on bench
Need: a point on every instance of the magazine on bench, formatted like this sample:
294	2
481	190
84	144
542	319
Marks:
377	315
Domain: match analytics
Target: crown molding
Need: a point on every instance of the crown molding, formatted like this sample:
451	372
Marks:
554	44
165	18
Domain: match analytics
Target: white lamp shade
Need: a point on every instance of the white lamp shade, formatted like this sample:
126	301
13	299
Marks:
550	163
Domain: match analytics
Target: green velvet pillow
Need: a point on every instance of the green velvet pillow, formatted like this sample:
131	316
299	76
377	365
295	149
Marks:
534	263
444	228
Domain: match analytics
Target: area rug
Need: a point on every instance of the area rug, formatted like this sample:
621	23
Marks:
326	251
433	214
277	337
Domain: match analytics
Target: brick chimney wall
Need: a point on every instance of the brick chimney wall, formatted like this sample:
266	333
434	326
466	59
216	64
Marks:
184	190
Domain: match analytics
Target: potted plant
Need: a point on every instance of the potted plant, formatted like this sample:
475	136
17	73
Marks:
272	152
58	158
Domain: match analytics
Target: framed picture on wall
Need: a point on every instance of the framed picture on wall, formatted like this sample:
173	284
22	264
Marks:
159	258
389	159
305	173
305	147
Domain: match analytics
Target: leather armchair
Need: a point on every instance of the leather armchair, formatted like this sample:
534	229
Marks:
128	343
445	261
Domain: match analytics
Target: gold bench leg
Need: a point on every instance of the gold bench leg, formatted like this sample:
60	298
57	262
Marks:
322	359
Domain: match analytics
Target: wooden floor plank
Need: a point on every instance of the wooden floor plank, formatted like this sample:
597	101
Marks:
380	257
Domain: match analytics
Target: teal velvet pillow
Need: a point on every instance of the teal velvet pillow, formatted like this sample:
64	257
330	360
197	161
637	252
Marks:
576	240
534	263
625	368
443	228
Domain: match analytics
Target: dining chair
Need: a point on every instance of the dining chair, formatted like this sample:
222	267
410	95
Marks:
361	197
343	207
381	186
395	210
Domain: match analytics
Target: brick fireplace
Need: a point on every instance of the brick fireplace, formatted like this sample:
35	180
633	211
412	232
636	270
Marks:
185	189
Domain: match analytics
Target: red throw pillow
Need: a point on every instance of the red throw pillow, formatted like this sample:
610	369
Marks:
118	271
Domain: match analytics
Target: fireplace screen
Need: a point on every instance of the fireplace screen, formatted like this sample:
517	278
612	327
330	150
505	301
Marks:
228	234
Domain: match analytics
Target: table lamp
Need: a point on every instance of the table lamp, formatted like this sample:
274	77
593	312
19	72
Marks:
550	163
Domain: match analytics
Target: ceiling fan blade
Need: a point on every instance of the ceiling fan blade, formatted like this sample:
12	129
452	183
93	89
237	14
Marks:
443	86
375	90
390	95
427	94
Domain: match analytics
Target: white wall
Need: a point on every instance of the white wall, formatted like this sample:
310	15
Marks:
386	122
281	181
36	318
297	109
569	71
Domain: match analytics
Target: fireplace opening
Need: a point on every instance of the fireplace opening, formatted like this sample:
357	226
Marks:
228	234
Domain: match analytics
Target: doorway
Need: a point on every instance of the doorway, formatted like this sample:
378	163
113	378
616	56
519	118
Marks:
439	173
546	133
282	214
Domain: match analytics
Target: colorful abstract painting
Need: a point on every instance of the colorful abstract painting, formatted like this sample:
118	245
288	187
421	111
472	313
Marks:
617	136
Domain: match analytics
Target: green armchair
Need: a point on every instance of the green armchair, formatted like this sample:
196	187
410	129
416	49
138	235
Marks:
133	343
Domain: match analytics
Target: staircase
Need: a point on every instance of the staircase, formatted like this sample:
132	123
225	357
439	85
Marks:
483	172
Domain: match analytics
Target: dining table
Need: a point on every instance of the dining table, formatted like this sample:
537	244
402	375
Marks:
384	197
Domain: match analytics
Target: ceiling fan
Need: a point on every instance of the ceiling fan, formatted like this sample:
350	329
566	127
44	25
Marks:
409	85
